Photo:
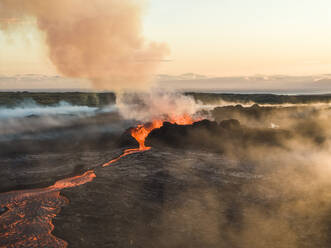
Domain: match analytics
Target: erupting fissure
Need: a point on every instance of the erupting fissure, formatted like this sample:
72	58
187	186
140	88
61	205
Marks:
141	132
40	206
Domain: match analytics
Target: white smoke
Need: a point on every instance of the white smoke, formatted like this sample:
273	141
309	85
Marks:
154	105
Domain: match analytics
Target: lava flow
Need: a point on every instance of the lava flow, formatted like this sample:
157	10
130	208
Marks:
141	132
28	221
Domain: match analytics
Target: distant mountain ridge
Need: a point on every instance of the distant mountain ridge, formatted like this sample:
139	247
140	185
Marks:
278	84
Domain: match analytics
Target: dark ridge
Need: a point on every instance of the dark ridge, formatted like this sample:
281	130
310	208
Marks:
11	99
210	135
126	140
210	98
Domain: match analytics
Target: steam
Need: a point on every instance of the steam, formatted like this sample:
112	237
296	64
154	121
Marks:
156	105
30	117
283	200
30	108
99	40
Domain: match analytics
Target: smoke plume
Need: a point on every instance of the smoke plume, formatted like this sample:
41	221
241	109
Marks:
100	40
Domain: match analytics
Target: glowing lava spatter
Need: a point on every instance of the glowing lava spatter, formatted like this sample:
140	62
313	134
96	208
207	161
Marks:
184	119
141	132
35	208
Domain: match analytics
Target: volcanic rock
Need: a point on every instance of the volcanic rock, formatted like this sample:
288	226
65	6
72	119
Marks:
3	210
206	124
230	124
211	136
126	140
204	134
160	198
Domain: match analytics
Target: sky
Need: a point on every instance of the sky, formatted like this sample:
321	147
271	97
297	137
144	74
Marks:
243	37
217	38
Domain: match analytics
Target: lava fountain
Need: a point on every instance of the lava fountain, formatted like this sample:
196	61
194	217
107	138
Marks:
141	132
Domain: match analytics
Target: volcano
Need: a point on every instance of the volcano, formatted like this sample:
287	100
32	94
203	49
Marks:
191	183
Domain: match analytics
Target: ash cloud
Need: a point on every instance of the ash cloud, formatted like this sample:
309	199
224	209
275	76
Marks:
98	40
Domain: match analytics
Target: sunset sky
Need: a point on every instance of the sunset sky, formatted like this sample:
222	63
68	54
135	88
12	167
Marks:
240	37
211	37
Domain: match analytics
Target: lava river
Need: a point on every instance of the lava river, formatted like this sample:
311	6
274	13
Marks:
28	220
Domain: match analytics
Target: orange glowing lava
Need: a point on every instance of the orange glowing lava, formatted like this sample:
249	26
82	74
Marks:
184	119
125	153
141	132
36	208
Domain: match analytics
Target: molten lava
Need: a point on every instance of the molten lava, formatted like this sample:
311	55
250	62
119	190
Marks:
184	119
141	132
35	208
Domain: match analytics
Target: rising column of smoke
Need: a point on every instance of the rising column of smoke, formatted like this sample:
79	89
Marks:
100	40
